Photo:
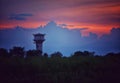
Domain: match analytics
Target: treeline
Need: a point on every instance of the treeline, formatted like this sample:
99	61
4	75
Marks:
19	51
38	67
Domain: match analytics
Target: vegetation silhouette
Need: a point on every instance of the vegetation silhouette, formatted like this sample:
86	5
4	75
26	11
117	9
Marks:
34	53
56	54
17	51
81	67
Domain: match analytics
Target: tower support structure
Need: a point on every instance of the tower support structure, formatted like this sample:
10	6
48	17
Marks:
38	40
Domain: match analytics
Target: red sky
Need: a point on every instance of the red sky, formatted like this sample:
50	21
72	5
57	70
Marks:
99	16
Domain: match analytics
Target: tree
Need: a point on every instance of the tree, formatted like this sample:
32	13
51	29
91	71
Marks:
87	53
3	52
34	53
17	51
78	53
56	54
45	55
110	54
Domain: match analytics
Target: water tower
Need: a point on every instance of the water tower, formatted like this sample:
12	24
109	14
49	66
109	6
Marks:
38	40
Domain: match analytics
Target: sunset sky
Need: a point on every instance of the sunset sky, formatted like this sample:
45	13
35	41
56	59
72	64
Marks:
99	16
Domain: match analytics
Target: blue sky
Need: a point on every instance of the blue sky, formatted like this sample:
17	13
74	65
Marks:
59	38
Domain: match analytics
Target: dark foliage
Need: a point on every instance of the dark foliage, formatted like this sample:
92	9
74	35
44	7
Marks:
85	53
3	52
45	55
34	53
82	69
56	55
17	51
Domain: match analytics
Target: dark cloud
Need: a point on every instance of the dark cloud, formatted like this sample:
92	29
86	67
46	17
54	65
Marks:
22	16
111	41
114	20
61	39
79	11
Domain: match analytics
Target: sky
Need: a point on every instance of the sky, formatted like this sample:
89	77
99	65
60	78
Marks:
60	39
99	16
69	25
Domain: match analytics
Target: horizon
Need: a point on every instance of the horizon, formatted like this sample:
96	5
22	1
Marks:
84	30
58	38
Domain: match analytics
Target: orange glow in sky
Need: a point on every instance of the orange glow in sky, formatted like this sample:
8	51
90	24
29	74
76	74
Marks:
99	16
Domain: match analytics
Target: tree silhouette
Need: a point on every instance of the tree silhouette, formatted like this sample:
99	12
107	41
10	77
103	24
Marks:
45	55
3	52
110	54
78	53
34	53
56	54
85	53
17	51
58	69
